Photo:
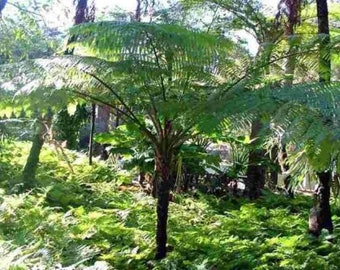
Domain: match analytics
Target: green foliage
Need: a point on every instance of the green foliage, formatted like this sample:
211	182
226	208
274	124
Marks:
66	126
196	159
22	39
164	70
128	144
312	125
52	166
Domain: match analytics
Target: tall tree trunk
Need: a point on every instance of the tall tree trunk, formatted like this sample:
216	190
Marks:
117	118
287	180
320	217
324	197
289	13
289	73
102	125
86	13
81	12
323	29
293	18
92	130
274	168
29	172
138	13
82	15
103	118
256	172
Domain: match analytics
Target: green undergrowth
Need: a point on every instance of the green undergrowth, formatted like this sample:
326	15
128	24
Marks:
85	219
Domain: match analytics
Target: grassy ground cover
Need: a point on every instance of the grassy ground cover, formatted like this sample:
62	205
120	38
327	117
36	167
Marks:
84	220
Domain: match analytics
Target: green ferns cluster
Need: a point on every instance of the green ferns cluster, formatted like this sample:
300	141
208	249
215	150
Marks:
87	220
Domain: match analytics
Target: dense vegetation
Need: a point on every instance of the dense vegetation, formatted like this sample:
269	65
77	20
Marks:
87	217
159	140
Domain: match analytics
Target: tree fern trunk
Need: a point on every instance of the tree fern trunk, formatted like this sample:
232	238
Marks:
163	192
154	185
102	125
288	180
93	123
29	172
256	172
273	179
162	218
324	197
274	168
255	180
320	217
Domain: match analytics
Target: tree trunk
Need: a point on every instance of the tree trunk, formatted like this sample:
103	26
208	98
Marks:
162	218
324	54
287	180
273	179
320	217
141	178
103	118
117	119
102	125
154	185
256	172
93	123
292	20
274	168
81	12
289	73
163	165
323	200
82	15
138	12
28	174
255	180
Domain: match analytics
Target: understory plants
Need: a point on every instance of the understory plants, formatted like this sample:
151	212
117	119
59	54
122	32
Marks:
88	218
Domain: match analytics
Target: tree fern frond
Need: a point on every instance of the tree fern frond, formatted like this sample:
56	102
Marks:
319	96
139	41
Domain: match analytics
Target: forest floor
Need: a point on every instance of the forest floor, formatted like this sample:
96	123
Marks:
88	220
